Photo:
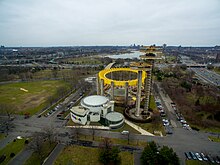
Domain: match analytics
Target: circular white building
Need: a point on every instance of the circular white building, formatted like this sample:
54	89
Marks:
95	108
114	119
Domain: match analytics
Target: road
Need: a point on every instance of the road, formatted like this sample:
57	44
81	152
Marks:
207	75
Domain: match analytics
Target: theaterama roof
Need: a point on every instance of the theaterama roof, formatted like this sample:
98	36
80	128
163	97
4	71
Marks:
95	100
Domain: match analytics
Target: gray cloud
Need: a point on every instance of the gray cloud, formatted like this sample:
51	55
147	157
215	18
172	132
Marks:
109	22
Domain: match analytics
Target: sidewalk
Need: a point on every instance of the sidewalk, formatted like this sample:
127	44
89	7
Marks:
90	126
6	141
139	129
21	157
53	156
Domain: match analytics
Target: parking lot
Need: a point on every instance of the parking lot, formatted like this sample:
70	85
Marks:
202	157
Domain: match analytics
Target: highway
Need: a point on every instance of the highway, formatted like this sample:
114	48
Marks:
207	75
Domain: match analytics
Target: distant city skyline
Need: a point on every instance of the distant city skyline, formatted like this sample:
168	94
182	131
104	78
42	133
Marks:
109	22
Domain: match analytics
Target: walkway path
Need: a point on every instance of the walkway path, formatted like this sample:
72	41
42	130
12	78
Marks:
139	129
21	157
137	157
109	65
90	126
6	140
53	156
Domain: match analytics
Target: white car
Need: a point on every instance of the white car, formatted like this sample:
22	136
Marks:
165	122
183	121
125	132
198	156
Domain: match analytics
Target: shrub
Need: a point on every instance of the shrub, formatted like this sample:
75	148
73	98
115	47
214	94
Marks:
12	154
2	158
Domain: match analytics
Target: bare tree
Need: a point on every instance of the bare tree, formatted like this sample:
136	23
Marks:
93	133
49	133
75	132
106	143
7	109
37	145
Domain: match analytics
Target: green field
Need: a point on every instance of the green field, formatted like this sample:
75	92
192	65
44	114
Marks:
214	139
2	136
79	155
29	97
152	103
92	60
196	162
13	147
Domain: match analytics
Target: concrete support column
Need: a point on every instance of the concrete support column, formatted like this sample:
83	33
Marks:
112	105
102	87
138	97
97	84
147	89
126	93
112	90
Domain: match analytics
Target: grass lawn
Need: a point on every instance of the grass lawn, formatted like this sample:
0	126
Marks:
113	140
33	99
152	103
127	128
217	70
211	129
151	127
214	139
47	149
14	147
78	155
196	162
2	136
92	60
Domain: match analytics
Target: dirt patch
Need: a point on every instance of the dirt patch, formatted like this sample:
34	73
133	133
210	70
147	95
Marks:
32	101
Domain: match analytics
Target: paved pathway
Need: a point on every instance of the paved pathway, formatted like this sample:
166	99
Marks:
21	157
139	129
137	157
90	126
6	140
52	157
109	65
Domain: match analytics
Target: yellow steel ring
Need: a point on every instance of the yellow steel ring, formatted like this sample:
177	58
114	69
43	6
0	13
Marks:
107	81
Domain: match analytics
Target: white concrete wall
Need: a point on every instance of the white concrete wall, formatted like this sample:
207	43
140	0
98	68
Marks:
94	118
76	118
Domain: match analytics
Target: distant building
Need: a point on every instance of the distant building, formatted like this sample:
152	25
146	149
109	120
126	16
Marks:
218	57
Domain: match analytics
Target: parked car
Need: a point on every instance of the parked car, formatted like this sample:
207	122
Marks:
183	121
124	132
203	156
193	155
162	114
198	156
216	160
165	122
188	156
210	159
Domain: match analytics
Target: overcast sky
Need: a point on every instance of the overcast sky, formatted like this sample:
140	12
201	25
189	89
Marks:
109	22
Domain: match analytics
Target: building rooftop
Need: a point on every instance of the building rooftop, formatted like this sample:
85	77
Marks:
114	116
79	110
94	100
